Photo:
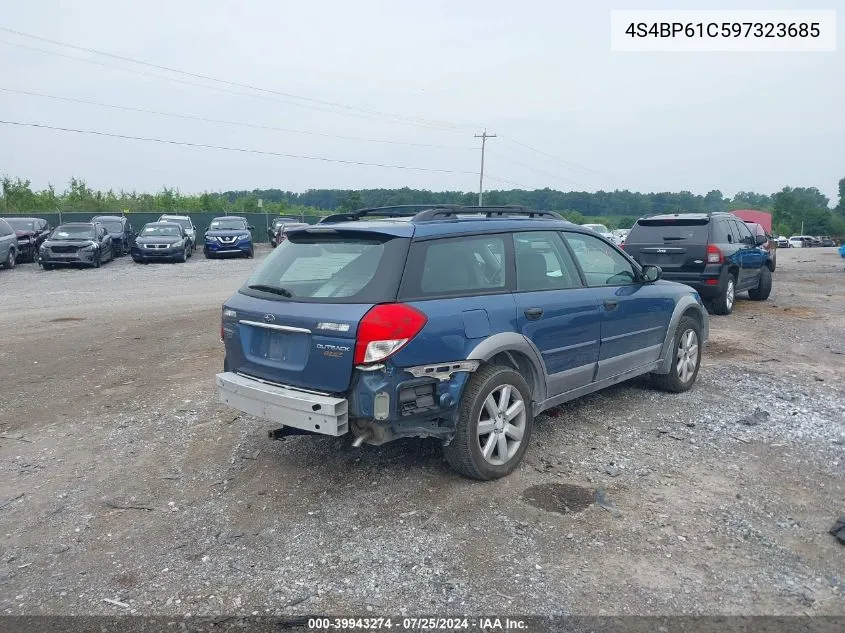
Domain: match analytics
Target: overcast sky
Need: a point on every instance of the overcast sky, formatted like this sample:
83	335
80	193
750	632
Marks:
435	72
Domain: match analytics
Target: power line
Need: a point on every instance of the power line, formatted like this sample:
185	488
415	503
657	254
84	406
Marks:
547	174
233	149
227	122
397	118
200	85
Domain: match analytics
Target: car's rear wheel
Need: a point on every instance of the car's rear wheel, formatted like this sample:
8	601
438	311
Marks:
724	303
494	424
764	287
686	358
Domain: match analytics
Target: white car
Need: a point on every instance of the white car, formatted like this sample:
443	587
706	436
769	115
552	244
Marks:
796	241
619	235
187	224
783	242
601	229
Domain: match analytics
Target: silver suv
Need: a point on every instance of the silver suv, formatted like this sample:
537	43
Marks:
8	245
187	224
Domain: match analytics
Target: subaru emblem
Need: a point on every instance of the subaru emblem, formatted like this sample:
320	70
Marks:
269	318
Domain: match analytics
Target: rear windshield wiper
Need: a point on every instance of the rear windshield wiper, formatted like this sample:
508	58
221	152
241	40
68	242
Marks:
274	289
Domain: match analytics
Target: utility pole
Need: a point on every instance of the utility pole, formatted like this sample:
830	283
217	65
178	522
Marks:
483	136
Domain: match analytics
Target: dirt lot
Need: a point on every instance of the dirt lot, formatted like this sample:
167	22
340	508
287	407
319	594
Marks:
139	488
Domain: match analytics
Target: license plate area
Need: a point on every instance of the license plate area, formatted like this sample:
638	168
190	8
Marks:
270	346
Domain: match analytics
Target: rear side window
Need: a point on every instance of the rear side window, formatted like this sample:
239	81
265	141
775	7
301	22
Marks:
543	262
342	267
647	231
456	266
722	232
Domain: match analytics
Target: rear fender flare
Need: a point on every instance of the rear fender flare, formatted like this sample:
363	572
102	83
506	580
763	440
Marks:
685	304
506	342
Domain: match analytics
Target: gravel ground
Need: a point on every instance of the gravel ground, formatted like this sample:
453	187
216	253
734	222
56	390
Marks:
124	480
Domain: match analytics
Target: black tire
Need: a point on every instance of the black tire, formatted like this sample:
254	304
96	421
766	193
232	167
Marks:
184	257
47	266
208	255
11	260
98	259
250	253
764	287
724	303
464	452
680	378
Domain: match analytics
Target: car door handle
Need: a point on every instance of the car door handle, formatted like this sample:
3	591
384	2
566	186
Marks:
611	304
532	314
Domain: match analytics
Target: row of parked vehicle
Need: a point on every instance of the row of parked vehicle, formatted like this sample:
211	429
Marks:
100	240
805	241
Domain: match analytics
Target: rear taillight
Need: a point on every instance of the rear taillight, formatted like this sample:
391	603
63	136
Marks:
714	254
385	329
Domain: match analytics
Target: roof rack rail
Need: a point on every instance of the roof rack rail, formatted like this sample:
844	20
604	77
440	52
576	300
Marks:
488	211
394	211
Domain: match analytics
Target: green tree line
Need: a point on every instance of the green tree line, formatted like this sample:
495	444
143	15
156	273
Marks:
791	207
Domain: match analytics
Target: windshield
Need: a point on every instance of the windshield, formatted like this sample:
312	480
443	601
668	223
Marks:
227	225
364	266
186	224
73	233
21	225
279	221
598	228
112	226
160	231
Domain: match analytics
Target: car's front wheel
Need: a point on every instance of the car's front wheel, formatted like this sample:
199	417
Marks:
764	286
686	358
494	424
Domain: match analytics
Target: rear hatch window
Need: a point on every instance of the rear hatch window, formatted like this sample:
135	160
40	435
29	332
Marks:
670	230
677	245
344	267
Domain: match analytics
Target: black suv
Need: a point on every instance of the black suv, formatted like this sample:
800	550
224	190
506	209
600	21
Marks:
716	254
120	230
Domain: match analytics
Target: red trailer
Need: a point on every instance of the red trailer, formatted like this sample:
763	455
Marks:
763	218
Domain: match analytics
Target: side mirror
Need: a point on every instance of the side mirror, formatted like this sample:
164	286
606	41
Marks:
251	228
760	240
651	273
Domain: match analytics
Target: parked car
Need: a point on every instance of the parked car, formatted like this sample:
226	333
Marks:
826	240
187	225
161	241
619	235
30	232
714	253
601	229
783	242
228	235
284	228
275	228
120	230
462	324
75	243
796	241
8	245
770	245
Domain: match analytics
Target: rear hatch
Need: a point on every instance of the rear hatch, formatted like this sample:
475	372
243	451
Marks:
675	244
295	320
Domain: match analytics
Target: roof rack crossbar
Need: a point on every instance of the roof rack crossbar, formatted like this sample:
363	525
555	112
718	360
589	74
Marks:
487	211
394	211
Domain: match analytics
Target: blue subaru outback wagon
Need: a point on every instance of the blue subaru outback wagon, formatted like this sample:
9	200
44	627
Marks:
458	323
